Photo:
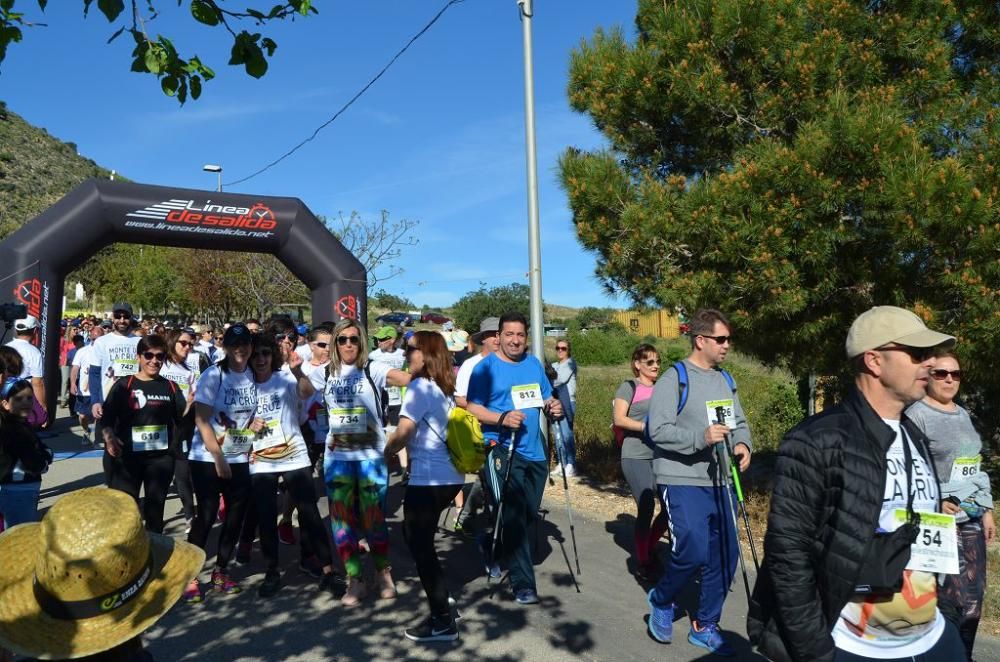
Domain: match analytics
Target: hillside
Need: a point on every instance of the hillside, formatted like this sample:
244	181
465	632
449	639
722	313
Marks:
36	169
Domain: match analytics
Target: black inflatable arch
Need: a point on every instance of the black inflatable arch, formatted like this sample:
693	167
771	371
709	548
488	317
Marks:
35	260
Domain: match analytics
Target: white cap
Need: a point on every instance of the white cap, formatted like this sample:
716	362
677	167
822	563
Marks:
26	324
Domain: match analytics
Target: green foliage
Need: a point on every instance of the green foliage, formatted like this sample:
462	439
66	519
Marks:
610	346
591	317
794	163
179	76
470	310
768	397
383	299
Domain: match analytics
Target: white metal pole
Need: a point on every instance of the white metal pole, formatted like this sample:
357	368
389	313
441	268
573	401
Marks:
534	234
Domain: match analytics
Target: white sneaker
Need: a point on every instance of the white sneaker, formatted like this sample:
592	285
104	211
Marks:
557	471
570	471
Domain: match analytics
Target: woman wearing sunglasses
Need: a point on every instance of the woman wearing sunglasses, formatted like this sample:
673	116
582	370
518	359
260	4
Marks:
565	388
434	481
631	405
23	458
182	371
140	416
965	492
355	471
279	450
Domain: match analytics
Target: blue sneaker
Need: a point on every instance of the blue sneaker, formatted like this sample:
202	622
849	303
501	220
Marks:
661	621
709	638
526	596
492	568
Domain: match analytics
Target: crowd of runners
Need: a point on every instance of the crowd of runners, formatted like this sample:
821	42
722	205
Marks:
880	515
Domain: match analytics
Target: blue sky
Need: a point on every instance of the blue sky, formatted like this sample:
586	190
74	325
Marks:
438	139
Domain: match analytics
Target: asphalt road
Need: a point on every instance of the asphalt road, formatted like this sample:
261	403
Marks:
603	621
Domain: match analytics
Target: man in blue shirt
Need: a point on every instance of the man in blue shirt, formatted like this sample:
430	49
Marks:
508	391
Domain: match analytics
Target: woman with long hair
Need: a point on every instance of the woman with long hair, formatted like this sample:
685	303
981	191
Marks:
355	471
280	451
23	458
434	481
225	405
956	450
140	417
177	369
565	387
631	404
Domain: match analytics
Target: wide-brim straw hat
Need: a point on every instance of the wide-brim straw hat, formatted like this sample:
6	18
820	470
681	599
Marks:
102	578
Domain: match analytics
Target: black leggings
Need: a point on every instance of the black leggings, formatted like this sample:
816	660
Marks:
422	506
207	487
182	483
131	471
301	490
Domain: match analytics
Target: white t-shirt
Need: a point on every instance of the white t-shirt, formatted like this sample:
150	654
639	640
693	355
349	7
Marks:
31	357
193	362
465	374
395	359
233	399
427	406
354	420
180	374
116	354
314	409
904	626
83	359
280	447
305	351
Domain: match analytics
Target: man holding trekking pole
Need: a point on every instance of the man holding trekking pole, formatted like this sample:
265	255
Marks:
508	391
693	477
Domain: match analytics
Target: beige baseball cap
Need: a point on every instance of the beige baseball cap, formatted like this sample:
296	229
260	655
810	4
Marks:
888	324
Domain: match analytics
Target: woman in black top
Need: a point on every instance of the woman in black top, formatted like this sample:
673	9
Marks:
140	413
23	458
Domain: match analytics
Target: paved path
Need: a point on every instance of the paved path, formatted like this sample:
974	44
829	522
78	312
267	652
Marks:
604	621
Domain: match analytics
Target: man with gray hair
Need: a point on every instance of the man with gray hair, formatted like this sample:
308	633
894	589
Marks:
854	537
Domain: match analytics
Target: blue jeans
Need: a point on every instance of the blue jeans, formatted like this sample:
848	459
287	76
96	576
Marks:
567	454
19	502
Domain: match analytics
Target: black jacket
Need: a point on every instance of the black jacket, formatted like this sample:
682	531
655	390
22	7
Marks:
19	443
828	488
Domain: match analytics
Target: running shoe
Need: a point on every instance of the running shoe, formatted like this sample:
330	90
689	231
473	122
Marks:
223	583
271	583
335	584
243	550
192	593
570	470
433	629
453	606
356	592
386	587
311	567
709	638
556	471
661	621
526	596
286	534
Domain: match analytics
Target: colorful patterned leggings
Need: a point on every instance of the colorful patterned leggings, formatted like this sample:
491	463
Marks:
961	600
358	487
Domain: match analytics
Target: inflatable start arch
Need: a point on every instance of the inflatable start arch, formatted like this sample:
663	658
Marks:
34	260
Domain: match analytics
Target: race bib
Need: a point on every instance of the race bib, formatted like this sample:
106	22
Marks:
527	396
272	435
125	367
936	547
395	396
965	468
728	415
237	442
349	420
147	438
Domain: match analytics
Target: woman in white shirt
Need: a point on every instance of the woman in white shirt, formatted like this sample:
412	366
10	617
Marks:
434	481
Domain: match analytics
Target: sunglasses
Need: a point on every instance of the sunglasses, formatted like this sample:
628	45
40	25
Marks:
184	343
941	374
322	345
343	340
721	340
562	349
285	336
122	316
266	353
410	349
917	354
154	356
651	362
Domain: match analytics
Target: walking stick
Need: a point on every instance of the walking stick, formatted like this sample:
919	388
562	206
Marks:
561	450
720	416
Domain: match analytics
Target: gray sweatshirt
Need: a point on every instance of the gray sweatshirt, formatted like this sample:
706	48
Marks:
952	436
682	457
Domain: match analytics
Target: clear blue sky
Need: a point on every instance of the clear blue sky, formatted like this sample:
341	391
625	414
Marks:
439	139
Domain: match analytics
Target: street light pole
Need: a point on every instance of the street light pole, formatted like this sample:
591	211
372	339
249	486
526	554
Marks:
217	169
534	234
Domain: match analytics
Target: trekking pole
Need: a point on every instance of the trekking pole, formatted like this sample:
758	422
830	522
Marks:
720	416
498	520
561	451
735	470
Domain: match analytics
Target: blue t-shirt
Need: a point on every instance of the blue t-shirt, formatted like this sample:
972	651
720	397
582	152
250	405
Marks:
491	386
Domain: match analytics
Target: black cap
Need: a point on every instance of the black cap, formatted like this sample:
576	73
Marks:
236	334
122	306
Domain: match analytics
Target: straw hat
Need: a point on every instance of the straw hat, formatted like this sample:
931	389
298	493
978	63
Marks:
88	577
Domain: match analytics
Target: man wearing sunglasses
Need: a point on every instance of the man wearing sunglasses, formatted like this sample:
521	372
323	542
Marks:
114	357
684	426
855	500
